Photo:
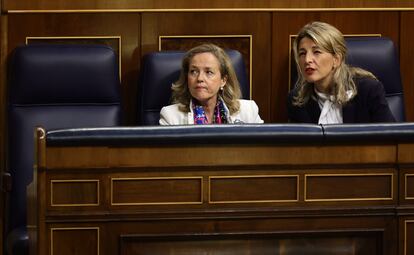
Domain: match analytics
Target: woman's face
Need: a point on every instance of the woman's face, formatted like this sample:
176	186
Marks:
204	78
316	64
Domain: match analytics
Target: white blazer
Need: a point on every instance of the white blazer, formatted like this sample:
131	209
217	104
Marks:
248	113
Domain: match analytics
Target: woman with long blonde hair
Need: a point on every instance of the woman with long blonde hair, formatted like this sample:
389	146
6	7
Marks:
208	91
328	91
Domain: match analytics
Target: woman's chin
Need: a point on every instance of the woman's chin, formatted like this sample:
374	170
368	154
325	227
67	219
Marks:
309	79
202	97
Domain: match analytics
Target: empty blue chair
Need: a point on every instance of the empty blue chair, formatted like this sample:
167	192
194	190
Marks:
53	86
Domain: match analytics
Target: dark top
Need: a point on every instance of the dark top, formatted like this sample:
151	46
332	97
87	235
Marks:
369	105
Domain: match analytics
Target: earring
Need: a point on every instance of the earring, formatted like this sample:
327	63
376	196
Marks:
222	88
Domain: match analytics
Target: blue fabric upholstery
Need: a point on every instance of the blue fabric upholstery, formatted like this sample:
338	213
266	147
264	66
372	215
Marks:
291	134
189	134
377	55
160	70
377	133
53	86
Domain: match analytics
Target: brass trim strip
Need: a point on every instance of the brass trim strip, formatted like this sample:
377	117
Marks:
405	234
138	10
349	199
66	205
200	178
34	191
74	228
406	197
81	38
291	38
250	37
253	201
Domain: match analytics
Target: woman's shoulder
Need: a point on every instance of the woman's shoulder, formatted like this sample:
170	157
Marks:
248	113
248	107
171	107
368	85
367	82
171	115
247	103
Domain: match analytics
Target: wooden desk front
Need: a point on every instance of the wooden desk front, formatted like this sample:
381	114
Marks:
223	199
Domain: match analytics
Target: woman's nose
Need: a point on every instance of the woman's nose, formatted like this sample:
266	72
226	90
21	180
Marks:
308	58
200	76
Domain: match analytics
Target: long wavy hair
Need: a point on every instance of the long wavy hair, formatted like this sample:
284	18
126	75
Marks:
230	93
330	40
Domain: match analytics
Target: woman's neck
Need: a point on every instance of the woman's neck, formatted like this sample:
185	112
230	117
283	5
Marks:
209	111
325	85
323	88
209	107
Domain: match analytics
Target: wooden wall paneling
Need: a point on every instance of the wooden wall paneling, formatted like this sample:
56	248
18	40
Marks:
365	223
125	25
408	192
256	24
406	233
250	243
185	4
289	23
406	62
3	75
233	235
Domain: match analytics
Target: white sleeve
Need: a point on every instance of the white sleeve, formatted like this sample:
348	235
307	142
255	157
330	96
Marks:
164	117
255	113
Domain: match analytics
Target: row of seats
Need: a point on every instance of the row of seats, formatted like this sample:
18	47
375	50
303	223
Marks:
73	86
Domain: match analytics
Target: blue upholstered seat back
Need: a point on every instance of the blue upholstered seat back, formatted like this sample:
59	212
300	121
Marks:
160	70
54	86
378	55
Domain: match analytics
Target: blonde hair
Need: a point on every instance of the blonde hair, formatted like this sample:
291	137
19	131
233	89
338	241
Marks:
330	40
230	93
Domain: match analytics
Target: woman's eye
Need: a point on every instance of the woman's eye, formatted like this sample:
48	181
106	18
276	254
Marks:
193	72
301	53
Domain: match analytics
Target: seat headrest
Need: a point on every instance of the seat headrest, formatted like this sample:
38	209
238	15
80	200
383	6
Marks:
377	55
64	74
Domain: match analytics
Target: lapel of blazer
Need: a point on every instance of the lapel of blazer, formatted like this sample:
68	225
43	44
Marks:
313	111
348	112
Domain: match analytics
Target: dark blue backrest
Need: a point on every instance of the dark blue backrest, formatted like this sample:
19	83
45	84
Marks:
160	70
55	86
378	55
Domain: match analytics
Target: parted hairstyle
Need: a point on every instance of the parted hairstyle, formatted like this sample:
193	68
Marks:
330	40
231	91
